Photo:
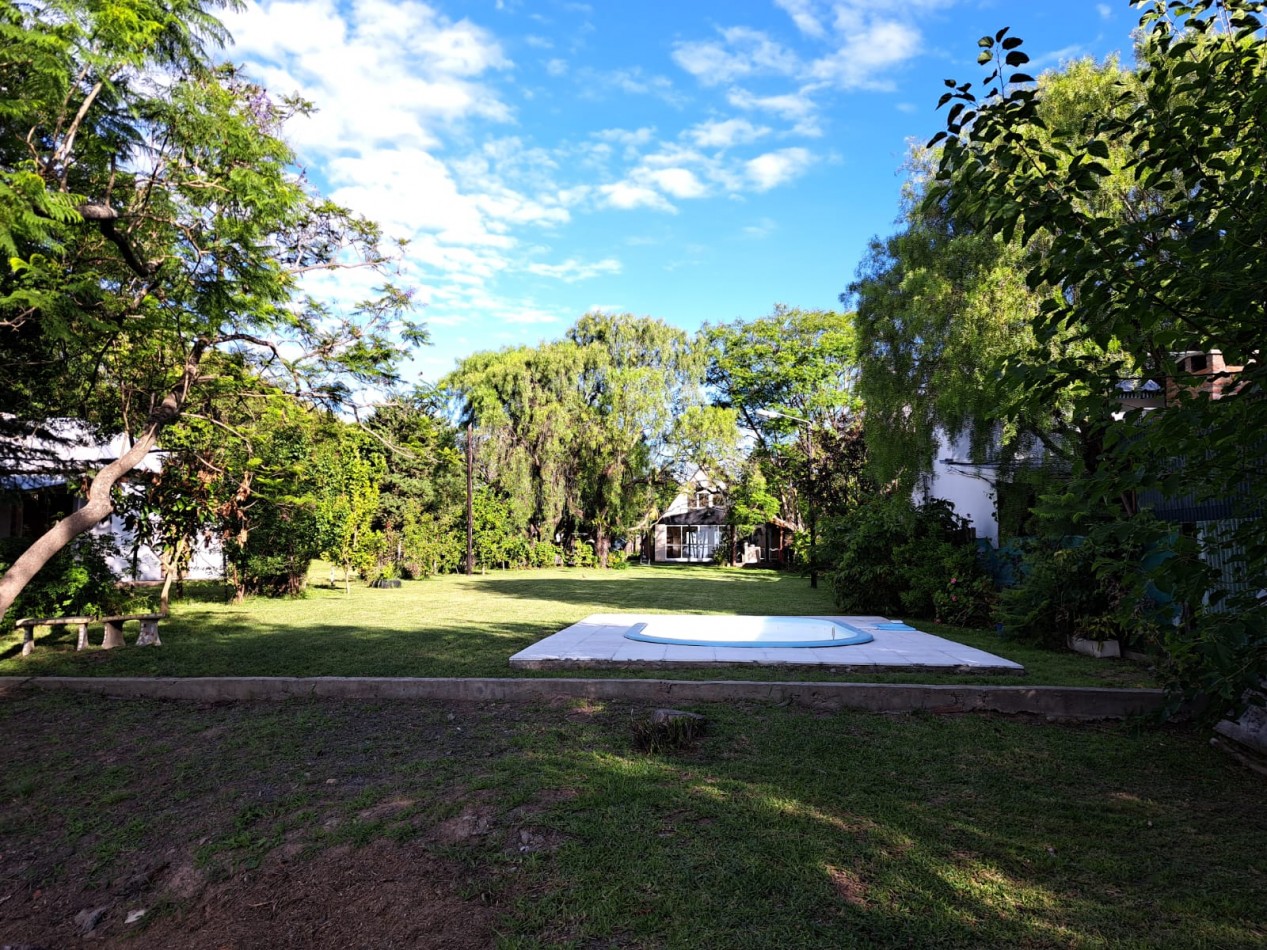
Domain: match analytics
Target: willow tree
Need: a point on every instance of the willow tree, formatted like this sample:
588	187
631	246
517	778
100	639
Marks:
526	403
578	433
944	306
150	213
639	375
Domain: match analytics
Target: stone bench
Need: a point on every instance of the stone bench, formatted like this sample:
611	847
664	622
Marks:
113	636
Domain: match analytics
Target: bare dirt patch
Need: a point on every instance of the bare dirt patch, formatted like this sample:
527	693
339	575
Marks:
151	824
381	895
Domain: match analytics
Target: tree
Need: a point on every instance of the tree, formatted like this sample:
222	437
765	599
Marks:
344	475
151	216
800	361
1180	271
576	435
420	494
799	368
638	376
943	304
527	403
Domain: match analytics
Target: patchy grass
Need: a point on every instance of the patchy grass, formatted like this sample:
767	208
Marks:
424	824
470	626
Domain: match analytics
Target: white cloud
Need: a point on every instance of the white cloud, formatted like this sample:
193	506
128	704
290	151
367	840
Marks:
849	45
775	168
792	105
802	14
678	182
726	133
741	52
626	196
403	71
868	50
1056	57
1105	11
763	228
571	270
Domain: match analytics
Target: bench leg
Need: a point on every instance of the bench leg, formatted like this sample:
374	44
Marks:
83	637
28	641
149	634
114	635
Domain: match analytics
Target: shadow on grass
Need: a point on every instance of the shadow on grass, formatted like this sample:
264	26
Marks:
789	830
229	647
667	588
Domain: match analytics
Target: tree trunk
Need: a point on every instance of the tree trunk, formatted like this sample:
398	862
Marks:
99	505
602	544
171	557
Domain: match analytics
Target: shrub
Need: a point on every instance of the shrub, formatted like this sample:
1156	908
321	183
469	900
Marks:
581	555
895	558
76	581
1079	587
546	554
947	582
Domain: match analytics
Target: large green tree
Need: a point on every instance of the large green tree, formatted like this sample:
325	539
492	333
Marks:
943	306
150	214
1179	269
578	435
790	378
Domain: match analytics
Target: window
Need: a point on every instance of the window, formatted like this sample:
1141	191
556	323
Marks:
673	546
690	542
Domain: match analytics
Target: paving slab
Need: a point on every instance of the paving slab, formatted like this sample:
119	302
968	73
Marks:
599	641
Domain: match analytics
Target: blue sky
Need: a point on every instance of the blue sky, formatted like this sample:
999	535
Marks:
693	160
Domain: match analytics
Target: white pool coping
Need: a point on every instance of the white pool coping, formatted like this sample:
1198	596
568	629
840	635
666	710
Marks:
599	640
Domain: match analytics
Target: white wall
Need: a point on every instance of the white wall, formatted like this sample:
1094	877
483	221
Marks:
969	488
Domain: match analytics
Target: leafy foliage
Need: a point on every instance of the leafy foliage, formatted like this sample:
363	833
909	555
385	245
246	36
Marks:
1079	588
156	232
77	582
576	436
896	559
1176	268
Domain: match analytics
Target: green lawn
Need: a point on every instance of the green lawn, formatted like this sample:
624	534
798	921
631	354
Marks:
469	626
311	823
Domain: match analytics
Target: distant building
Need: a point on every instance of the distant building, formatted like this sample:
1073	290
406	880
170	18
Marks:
40	474
693	530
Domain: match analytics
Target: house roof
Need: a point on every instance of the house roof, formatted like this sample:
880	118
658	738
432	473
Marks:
696	516
712	516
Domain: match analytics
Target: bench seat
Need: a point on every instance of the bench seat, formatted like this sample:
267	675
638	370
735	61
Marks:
113	636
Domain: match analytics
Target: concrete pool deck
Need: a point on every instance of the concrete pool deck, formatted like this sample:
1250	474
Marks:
599	641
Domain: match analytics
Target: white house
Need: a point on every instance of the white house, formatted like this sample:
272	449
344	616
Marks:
693	528
970	487
45	467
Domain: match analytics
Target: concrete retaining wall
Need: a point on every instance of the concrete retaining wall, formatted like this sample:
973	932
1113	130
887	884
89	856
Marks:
1058	702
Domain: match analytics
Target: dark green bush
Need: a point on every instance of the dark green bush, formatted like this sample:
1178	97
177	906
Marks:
77	581
894	558
1078	587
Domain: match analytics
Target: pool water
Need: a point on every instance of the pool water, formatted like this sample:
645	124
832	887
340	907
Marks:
755	632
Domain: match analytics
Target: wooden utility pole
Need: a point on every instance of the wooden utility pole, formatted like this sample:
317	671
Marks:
470	504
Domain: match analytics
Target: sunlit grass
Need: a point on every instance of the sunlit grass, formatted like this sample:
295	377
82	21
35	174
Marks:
780	828
458	626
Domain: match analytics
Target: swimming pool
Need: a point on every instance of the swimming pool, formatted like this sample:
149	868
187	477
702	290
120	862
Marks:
755	632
